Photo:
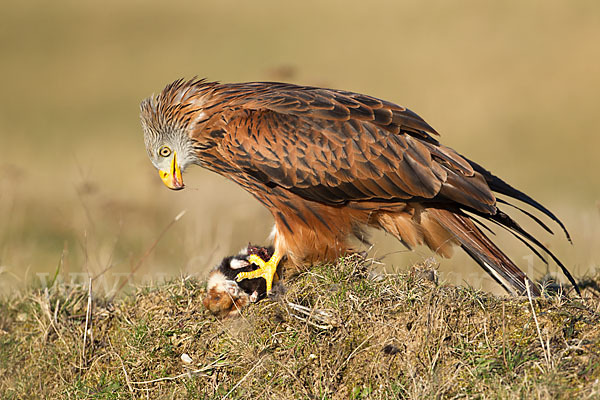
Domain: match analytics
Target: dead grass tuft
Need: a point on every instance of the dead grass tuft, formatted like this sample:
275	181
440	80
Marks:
337	332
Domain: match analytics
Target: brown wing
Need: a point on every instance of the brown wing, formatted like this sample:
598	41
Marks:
333	147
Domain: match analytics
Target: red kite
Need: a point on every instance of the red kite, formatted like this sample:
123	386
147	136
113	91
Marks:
328	163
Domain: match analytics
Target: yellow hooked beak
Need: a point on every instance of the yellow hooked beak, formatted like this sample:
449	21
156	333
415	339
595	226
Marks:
172	179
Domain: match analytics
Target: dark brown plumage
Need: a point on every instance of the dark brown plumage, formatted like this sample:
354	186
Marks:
328	163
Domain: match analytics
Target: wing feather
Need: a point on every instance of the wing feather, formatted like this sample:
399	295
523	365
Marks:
311	140
369	148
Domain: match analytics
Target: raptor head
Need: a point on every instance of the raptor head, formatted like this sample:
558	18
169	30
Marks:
167	129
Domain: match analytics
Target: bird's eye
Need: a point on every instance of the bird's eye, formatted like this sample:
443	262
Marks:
164	151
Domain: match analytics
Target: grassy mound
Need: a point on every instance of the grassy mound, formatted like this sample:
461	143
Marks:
337	332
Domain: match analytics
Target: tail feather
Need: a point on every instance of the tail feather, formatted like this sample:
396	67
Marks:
477	245
517	231
522	240
441	227
530	215
499	186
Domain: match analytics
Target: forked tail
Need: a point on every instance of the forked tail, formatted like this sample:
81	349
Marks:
477	245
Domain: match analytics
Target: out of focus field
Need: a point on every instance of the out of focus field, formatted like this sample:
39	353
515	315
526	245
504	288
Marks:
513	85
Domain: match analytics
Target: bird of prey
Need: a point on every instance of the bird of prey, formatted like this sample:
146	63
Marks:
328	163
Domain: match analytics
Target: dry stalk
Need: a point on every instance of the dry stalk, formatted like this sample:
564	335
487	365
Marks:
324	319
208	367
359	347
87	320
504	334
45	306
243	378
127	380
148	252
545	350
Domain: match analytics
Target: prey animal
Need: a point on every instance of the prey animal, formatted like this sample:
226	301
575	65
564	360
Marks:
329	163
225	297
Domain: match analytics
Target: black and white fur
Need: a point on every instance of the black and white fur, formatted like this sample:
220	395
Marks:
226	297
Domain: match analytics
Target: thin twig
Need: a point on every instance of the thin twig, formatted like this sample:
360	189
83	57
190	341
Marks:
185	374
149	251
342	365
504	335
243	378
310	314
127	380
45	306
109	263
56	311
537	326
87	319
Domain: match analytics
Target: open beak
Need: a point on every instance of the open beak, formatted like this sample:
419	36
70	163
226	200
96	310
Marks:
172	179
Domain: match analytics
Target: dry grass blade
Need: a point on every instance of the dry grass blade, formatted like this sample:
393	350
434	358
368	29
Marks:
127	380
545	350
216	363
143	258
243	379
321	319
88	314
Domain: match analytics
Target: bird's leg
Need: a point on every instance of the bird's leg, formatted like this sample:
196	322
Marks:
266	269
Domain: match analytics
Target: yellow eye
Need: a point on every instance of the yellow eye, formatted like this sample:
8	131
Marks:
164	151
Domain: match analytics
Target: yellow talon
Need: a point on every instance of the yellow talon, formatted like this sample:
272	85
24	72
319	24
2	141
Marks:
266	270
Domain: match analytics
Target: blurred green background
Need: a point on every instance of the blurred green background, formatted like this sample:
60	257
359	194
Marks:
514	85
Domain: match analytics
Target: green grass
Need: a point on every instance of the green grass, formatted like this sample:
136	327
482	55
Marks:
366	335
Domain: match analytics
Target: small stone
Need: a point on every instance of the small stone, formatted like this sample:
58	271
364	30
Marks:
186	358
